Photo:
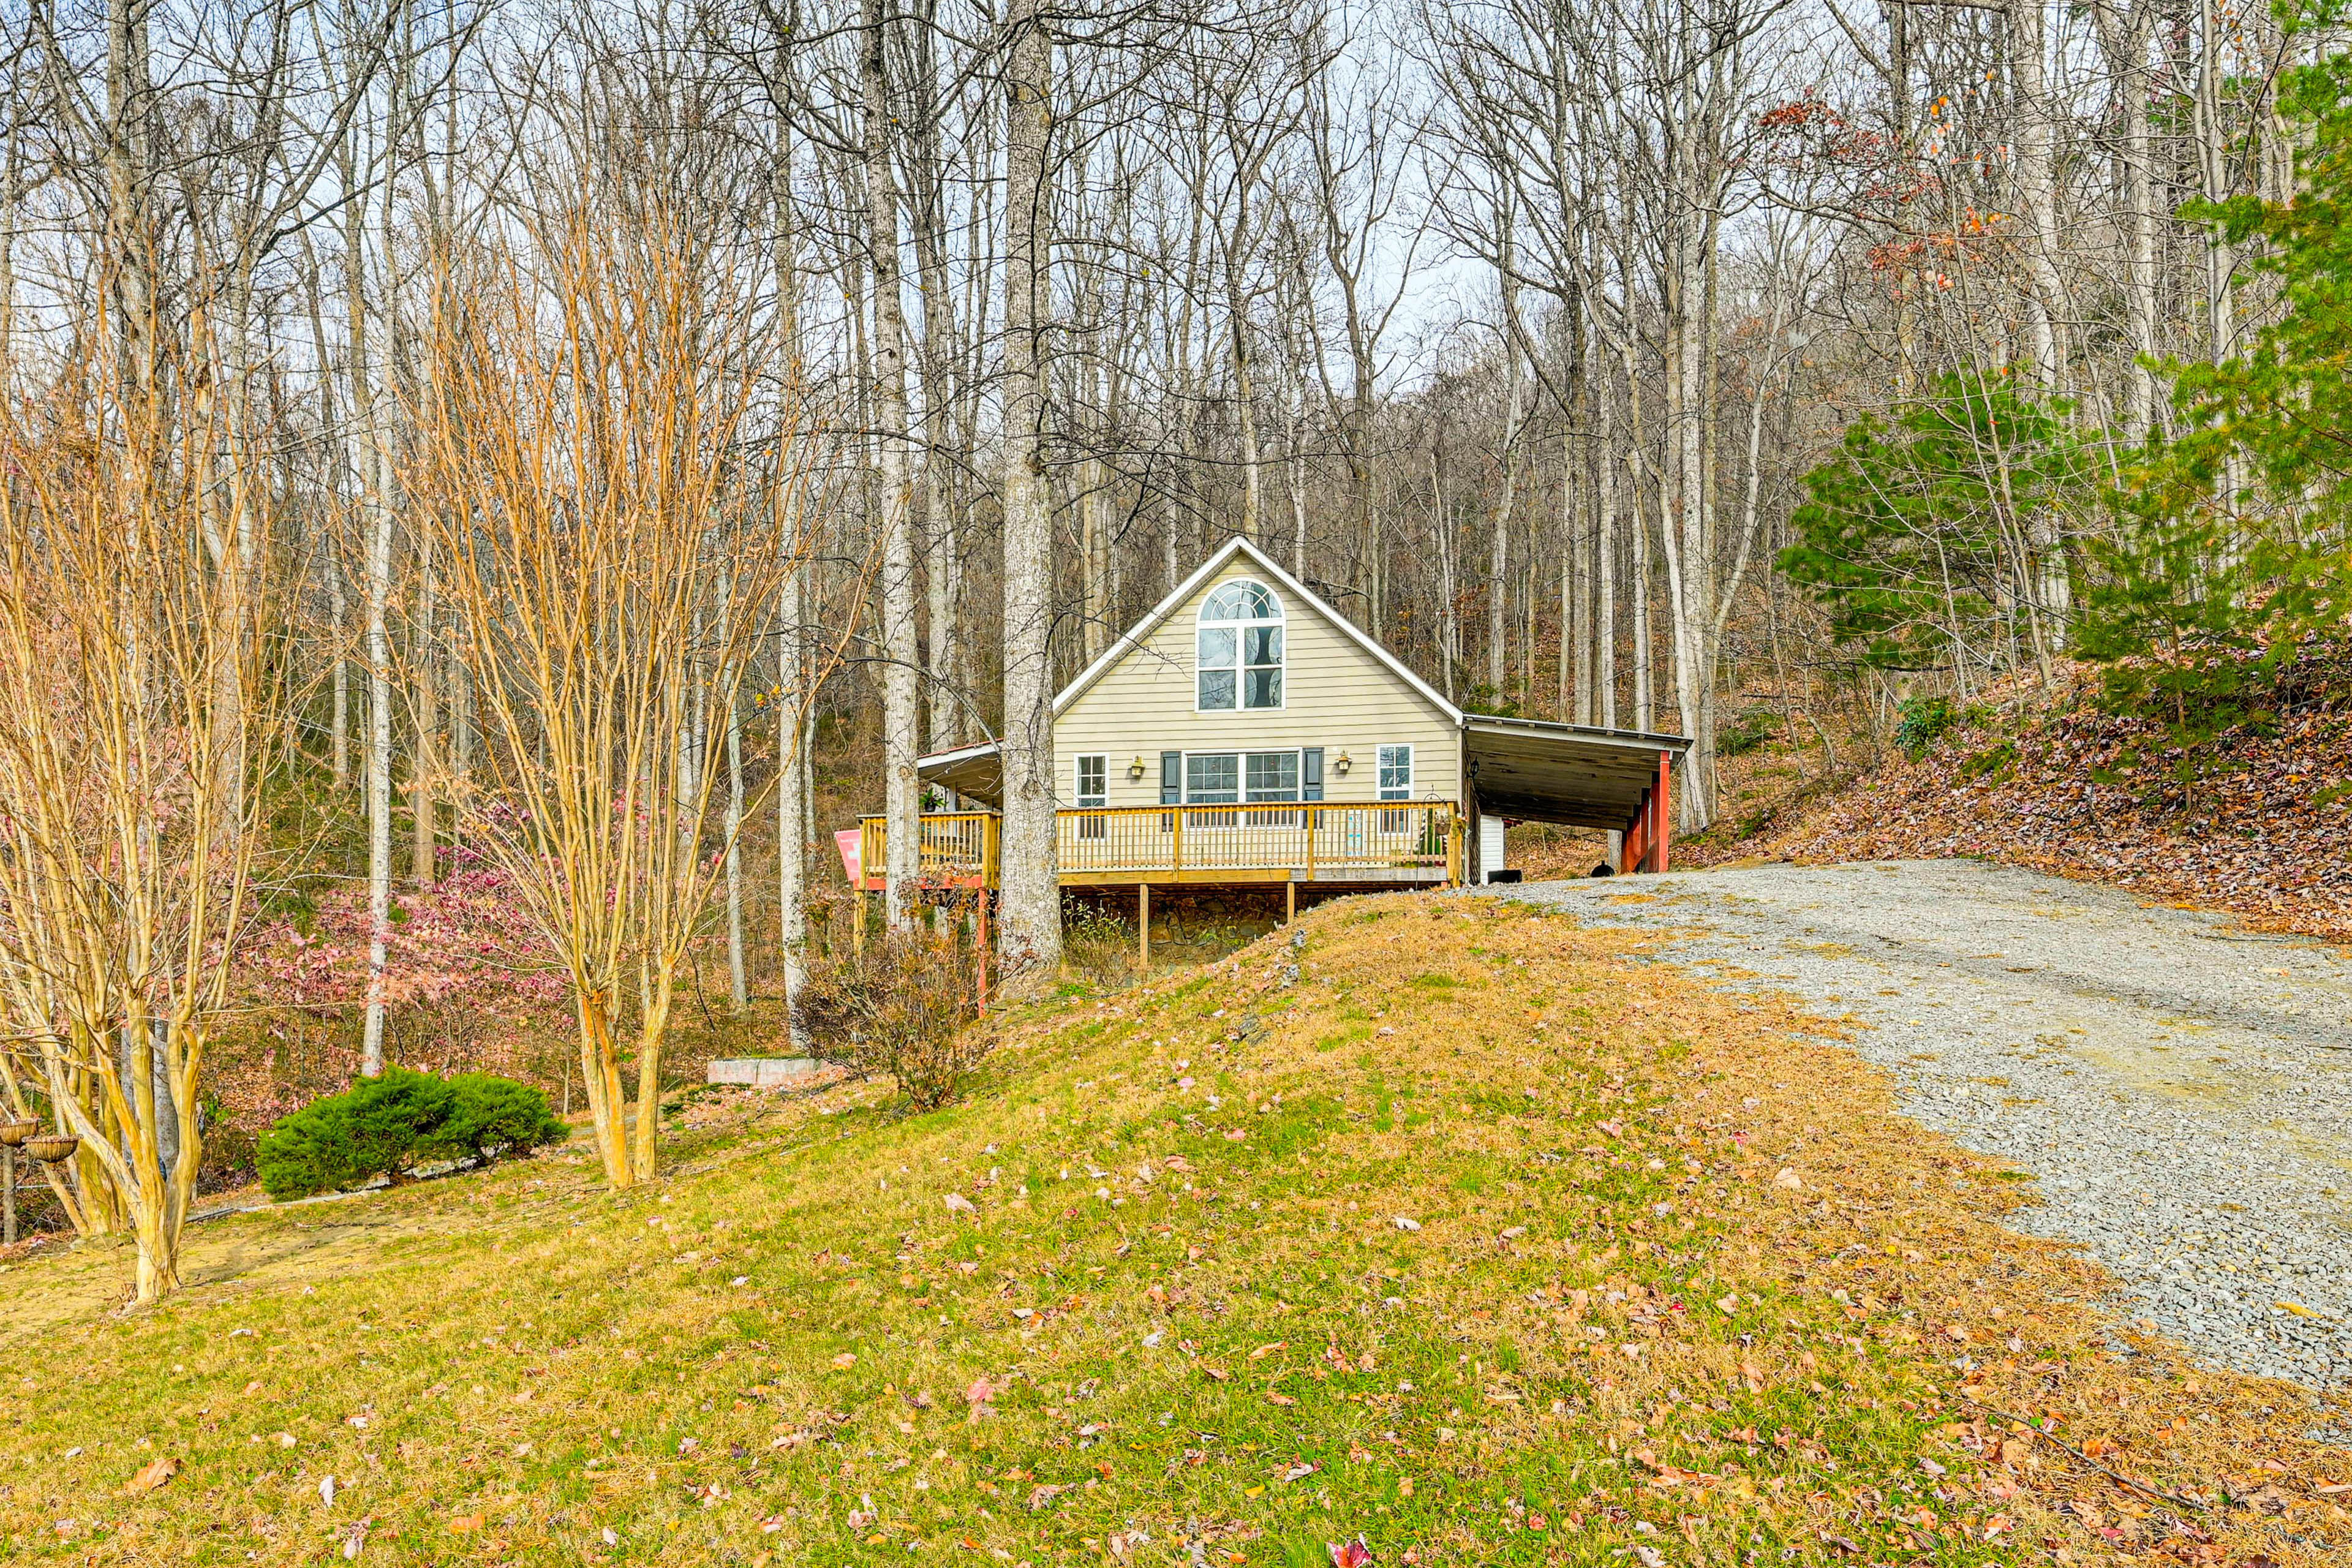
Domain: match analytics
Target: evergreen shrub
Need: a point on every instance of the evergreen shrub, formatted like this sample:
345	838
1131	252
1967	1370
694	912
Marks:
384	1126
495	1116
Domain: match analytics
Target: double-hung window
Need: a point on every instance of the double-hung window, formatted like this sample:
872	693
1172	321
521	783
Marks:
1270	777
1238	649
1093	791
1213	778
1394	782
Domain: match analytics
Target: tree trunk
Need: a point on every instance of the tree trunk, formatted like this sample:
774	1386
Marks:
2123	38
738	989
1029	927
600	1076
339	717
423	826
902	787
1498	563
1604	465
792	697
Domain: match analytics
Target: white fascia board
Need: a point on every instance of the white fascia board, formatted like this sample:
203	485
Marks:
956	754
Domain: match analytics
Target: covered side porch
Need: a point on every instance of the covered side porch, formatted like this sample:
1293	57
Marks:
1574	775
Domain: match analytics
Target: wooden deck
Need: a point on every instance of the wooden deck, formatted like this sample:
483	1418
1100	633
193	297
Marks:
1406	844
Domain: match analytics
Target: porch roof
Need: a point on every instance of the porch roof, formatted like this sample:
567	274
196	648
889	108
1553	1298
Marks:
1537	770
973	770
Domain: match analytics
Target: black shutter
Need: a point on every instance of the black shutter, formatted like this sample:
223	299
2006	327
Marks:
1310	773
1172	778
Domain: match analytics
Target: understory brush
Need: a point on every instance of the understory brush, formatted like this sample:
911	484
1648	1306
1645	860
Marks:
908	1006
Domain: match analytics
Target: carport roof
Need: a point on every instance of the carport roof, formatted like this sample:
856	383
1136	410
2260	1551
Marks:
976	771
1574	774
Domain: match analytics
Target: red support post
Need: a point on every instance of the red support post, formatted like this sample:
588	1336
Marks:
1636	846
1663	834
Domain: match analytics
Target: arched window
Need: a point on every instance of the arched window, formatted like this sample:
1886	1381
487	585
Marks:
1239	651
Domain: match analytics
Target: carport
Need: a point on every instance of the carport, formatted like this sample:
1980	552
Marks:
1577	775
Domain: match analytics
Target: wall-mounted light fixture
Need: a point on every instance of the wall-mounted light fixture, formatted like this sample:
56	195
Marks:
1135	768
1340	763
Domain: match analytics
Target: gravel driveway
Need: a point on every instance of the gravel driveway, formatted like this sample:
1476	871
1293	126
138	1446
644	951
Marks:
2182	1087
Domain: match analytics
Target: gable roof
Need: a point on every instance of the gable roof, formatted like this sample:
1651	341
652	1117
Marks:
1135	635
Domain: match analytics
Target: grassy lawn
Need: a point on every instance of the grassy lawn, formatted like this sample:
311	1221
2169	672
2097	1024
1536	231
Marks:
1446	1226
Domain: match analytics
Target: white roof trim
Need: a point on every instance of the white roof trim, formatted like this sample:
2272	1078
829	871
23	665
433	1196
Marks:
1133	638
957	754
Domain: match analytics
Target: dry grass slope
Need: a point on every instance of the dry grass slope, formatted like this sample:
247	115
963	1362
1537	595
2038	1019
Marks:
1188	1318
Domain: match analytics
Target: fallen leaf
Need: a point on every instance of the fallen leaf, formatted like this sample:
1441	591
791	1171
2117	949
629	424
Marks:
1348	1554
958	1204
1264	1351
466	1524
1404	1224
845	1361
1791	1180
154	1475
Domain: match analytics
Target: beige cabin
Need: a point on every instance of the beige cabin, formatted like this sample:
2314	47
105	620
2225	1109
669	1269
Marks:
1245	732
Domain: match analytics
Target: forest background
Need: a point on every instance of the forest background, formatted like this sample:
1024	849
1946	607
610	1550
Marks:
492	487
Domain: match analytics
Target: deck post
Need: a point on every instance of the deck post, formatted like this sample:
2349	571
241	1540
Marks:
981	948
1143	928
1290	901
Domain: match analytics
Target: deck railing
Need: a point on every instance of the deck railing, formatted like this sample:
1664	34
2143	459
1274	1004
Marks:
1408	841
958	848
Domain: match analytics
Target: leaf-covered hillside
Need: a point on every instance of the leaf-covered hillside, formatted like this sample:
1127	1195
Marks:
2253	816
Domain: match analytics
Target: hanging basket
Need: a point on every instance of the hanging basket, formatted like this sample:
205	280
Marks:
14	1133
52	1147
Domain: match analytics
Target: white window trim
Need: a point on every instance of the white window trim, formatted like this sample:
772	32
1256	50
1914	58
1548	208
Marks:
1411	778
1078	780
1240	669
